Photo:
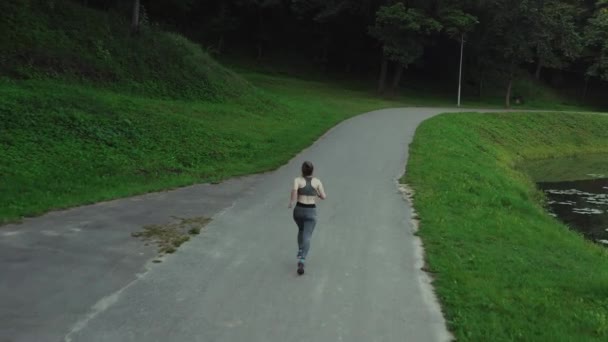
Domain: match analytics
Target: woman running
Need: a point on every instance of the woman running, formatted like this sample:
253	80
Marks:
306	189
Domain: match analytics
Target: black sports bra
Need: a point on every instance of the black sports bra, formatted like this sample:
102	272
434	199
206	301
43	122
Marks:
308	189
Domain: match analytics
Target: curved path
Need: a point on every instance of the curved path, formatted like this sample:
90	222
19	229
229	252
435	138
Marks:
237	281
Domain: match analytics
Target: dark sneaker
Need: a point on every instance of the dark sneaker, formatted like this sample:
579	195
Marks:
301	267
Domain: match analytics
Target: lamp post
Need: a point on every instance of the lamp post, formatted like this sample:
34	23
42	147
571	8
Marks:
460	71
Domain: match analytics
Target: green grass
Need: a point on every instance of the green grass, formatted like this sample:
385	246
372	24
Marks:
90	112
61	39
505	270
67	144
418	91
572	168
64	144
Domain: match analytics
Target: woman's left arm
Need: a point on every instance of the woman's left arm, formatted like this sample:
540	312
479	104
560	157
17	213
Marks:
294	193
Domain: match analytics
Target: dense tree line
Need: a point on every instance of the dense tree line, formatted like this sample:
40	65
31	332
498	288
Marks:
386	37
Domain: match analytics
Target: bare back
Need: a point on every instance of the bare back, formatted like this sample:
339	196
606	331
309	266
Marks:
301	183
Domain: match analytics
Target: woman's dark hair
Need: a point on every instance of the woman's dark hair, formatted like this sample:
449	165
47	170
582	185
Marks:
307	169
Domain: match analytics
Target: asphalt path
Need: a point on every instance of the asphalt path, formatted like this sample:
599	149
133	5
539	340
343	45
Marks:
76	275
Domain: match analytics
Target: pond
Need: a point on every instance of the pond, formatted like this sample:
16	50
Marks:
577	192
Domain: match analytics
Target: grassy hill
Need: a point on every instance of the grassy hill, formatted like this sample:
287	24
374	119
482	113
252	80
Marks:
504	269
89	112
61	39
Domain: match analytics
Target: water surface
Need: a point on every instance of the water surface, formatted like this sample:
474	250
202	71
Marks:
577	191
582	205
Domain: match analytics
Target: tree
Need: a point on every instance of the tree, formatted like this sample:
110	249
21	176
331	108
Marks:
324	16
259	7
223	23
348	35
402	32
555	35
596	36
135	17
335	20
511	27
173	12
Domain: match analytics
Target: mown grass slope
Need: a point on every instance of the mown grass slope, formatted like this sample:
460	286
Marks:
504	269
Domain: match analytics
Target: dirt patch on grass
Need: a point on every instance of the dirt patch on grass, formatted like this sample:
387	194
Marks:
168	237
